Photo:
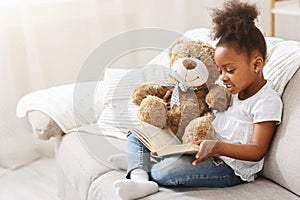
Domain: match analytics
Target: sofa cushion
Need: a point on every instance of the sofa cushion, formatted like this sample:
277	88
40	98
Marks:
282	63
119	112
282	163
262	188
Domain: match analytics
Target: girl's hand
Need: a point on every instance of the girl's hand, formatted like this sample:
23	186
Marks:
167	98
207	149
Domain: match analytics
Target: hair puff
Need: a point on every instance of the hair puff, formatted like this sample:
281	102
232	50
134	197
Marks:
234	18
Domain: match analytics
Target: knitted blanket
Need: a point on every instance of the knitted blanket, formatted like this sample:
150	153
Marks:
283	61
70	106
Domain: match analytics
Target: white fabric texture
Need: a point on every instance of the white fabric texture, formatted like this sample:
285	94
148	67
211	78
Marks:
283	62
236	125
119	83
202	34
119	112
70	106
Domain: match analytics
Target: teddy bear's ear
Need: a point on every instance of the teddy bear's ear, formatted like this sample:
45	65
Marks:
174	50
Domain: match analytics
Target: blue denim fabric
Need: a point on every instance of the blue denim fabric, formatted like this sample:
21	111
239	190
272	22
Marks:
177	170
137	154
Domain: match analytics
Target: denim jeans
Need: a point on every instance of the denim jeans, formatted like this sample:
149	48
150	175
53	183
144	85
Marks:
177	170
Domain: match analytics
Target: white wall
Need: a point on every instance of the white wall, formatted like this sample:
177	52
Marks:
287	27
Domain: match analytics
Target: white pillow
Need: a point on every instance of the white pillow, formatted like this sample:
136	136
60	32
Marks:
119	83
202	34
119	112
118	116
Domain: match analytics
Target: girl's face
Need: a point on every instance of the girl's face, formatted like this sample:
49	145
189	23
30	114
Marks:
238	74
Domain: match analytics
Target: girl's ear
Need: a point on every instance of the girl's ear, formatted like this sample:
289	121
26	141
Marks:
258	63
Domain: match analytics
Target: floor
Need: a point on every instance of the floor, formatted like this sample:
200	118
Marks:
37	181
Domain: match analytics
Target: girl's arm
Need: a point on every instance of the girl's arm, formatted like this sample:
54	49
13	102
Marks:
254	151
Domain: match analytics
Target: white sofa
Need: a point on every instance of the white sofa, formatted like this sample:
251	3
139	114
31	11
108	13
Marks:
25	165
85	143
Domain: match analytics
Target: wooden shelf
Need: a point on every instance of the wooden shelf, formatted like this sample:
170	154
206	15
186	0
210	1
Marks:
287	8
283	7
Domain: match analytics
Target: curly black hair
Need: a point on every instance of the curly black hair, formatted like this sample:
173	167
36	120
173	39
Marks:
234	26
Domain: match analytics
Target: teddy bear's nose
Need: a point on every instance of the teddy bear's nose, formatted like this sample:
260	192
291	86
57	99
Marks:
189	64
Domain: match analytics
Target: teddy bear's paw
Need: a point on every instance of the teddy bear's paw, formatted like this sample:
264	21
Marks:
199	129
143	90
218	98
153	111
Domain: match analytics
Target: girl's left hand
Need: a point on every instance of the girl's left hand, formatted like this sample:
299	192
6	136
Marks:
207	149
167	99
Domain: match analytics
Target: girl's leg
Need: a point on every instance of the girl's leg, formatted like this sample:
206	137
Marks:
137	184
178	171
138	156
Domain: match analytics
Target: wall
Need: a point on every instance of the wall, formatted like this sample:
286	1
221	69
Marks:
287	27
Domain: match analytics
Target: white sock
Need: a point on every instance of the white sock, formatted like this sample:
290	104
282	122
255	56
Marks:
139	175
137	186
133	189
119	161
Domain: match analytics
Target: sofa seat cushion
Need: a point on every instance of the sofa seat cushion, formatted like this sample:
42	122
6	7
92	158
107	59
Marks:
102	188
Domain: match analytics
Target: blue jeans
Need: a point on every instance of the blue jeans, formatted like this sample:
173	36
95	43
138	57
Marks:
177	170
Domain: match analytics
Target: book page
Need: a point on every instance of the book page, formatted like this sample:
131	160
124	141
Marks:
154	138
177	149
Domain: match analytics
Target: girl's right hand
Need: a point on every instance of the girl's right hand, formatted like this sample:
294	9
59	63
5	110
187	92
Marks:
207	149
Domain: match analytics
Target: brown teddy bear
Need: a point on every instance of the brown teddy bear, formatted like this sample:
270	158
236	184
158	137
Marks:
194	93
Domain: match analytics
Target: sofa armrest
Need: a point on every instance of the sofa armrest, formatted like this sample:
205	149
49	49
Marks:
43	126
64	107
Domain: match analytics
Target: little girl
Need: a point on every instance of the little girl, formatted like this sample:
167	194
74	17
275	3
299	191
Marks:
244	131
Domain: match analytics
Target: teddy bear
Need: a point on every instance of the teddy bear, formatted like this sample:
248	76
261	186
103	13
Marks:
192	92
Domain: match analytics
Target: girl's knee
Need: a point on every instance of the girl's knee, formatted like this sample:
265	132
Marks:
166	171
167	176
159	176
130	137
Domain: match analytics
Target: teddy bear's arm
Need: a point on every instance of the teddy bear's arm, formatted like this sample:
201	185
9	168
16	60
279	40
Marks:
144	90
218	98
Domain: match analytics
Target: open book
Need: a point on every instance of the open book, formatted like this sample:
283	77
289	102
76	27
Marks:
161	142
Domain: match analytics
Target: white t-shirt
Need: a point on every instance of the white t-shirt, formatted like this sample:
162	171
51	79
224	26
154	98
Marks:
235	125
